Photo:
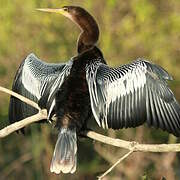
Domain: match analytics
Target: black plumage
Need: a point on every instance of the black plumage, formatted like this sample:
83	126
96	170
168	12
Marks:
85	86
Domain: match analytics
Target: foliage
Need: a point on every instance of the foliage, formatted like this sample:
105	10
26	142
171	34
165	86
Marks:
129	29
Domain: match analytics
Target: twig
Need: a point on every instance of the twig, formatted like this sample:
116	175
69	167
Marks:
20	124
22	98
133	145
115	164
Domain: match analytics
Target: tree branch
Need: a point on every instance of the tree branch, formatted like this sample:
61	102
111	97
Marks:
20	124
42	114
115	164
22	98
131	146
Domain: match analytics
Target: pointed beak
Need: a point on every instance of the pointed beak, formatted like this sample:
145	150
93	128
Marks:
59	11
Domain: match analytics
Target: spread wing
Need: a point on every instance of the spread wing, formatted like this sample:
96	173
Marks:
129	95
37	81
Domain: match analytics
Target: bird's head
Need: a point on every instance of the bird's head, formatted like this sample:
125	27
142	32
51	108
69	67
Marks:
87	24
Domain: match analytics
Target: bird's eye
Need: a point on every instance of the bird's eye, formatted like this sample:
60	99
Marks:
65	9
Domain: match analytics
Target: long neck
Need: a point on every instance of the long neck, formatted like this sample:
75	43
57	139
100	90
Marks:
89	32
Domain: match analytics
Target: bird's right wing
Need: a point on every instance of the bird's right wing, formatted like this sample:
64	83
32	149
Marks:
37	81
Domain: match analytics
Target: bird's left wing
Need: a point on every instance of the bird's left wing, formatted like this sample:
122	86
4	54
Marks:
39	82
129	95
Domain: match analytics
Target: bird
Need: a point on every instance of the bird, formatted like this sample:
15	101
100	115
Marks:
85	86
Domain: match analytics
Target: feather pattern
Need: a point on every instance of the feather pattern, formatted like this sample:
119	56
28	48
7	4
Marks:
131	94
65	152
39	82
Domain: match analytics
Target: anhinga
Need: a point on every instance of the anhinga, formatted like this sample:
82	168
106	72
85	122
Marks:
122	97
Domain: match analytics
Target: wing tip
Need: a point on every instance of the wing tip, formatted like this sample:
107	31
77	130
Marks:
157	69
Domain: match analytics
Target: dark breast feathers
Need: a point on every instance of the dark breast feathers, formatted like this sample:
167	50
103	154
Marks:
72	99
73	107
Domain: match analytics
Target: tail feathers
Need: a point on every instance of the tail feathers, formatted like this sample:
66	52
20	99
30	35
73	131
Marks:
65	153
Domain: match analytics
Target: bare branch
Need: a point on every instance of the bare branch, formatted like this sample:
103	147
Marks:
115	164
22	98
133	145
20	124
42	114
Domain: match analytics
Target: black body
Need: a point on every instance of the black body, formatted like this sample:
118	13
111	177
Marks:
73	107
120	97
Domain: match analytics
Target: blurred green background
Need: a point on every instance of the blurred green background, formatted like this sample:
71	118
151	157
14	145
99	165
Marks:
129	29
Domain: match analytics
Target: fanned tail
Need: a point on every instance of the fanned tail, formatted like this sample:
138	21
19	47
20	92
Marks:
64	157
